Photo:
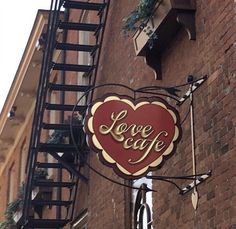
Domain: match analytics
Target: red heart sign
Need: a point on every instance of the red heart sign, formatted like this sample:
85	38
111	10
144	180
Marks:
132	137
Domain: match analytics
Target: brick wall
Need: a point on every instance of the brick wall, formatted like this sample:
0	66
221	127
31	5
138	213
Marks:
212	54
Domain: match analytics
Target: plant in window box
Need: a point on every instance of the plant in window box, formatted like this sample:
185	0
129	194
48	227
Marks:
12	210
64	136
57	136
18	206
7	225
60	136
163	18
41	192
40	174
139	16
138	19
8	222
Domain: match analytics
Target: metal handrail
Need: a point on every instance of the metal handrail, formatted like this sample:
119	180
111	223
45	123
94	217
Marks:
99	40
39	107
53	21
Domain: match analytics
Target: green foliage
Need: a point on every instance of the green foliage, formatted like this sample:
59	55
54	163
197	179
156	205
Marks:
12	207
6	224
59	136
17	204
40	174
138	17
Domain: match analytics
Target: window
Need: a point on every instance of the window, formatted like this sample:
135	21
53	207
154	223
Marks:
138	183
11	183
23	158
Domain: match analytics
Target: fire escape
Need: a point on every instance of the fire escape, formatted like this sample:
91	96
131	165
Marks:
65	158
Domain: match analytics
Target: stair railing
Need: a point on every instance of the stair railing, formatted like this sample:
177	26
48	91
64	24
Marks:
39	107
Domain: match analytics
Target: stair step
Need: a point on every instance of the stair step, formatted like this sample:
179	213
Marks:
48	183
72	67
79	26
46	223
84	5
52	202
56	148
76	47
61	126
64	87
46	165
61	107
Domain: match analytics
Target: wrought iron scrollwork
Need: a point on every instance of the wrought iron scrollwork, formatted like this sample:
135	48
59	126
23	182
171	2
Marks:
172	93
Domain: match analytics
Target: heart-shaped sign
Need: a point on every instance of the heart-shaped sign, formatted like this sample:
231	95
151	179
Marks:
132	136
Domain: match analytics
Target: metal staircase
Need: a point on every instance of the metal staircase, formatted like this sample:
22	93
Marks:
66	162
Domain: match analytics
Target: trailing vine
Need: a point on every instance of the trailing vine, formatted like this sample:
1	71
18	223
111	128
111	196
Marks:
17	204
60	136
11	208
139	17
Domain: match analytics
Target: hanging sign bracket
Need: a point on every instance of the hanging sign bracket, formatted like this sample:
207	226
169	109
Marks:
117	131
196	180
193	87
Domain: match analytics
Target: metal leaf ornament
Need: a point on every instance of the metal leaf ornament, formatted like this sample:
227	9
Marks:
172	91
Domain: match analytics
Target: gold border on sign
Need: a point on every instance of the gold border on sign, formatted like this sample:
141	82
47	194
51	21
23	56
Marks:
107	157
